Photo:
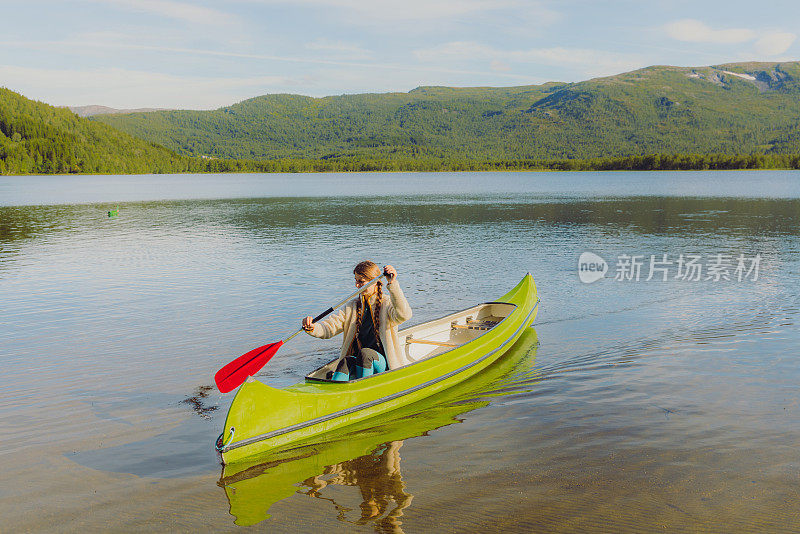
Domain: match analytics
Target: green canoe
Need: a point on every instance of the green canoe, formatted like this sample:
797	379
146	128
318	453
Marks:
254	485
444	352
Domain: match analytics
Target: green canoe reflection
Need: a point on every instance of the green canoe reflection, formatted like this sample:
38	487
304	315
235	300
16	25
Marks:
367	455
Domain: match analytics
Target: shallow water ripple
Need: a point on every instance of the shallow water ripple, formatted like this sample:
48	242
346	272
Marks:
632	406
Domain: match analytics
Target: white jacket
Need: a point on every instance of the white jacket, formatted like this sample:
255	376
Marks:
394	311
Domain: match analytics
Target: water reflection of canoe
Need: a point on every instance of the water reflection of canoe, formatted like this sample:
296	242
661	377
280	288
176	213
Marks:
444	352
253	486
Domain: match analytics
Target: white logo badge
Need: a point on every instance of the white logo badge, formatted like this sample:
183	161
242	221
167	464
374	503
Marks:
591	267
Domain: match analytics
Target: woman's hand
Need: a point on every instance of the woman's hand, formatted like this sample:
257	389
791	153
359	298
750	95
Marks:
308	324
390	272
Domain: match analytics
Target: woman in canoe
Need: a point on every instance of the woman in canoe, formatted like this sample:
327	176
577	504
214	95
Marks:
369	323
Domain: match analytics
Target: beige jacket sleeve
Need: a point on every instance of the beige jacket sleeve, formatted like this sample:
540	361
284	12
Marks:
331	326
400	310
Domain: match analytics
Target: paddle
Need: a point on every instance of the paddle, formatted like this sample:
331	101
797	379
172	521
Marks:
235	373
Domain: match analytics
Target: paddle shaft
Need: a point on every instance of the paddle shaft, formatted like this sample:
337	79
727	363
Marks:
330	310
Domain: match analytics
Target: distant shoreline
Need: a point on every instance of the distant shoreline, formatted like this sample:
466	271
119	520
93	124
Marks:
650	162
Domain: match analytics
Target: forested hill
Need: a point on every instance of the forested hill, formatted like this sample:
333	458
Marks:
745	108
37	138
727	116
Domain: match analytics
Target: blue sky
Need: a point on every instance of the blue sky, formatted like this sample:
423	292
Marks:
203	54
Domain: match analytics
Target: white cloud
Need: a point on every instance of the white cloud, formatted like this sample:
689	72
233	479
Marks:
191	13
587	62
124	88
392	10
110	42
499	66
339	49
121	88
695	31
369	66
767	43
456	50
775	43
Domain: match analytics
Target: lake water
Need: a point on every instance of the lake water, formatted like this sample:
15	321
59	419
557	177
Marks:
632	405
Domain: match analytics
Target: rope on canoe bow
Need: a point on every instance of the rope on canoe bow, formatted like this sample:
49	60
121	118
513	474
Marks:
220	444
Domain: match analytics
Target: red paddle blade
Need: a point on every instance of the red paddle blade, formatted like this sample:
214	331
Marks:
235	373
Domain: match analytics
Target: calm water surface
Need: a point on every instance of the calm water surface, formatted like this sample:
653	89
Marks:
630	406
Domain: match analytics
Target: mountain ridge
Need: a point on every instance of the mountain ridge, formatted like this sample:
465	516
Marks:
729	108
37	138
96	109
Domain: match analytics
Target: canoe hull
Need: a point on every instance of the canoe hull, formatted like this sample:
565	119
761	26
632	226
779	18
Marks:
265	418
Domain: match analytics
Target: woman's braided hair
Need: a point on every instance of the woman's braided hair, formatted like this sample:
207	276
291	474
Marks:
368	270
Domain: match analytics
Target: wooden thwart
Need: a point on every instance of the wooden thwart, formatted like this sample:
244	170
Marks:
428	342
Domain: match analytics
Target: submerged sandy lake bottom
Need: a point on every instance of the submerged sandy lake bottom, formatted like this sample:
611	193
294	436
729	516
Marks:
630	406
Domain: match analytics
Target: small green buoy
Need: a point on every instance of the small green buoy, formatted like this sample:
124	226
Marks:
113	213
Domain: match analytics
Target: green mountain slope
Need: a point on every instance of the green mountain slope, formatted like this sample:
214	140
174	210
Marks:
745	108
36	138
